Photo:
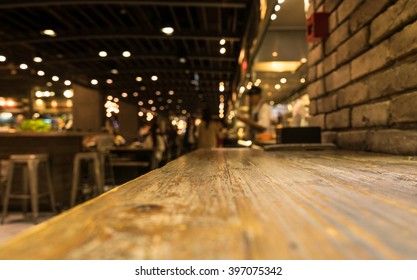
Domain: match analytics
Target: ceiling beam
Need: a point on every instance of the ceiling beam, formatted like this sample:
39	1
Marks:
13	4
140	56
96	35
161	70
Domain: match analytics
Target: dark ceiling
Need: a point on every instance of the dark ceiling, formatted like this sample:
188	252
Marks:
85	28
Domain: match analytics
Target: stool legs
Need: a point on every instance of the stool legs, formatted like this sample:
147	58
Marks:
75	181
33	185
97	173
7	192
50	188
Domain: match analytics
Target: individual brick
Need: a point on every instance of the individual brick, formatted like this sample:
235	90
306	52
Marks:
346	8
376	114
317	120
316	89
403	42
352	140
327	104
329	137
315	55
353	94
338	78
393	141
339	119
370	61
404	108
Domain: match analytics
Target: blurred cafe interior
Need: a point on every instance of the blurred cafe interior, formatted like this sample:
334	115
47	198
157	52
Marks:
211	129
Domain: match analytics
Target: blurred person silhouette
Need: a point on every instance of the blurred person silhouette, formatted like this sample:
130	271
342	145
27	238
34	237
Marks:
153	139
260	114
189	141
209	131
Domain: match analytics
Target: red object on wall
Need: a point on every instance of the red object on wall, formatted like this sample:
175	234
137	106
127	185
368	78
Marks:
317	26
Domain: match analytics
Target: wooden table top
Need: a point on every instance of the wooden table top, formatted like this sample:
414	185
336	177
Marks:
243	204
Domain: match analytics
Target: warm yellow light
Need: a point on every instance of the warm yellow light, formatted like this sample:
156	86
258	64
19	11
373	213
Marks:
109	81
2	58
139	79
168	30
68	93
150	101
171	92
55	78
283	80
48	32
41	73
37	59
94	82
102	54
222	42
277	86
67	83
273	17
277	8
126	54
124	94
140	103
303	60
223	50
23	66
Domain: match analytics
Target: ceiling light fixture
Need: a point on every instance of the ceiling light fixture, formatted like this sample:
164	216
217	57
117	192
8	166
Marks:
109	81
222	42
168	30
126	54
37	59
67	83
283	80
23	66
55	78
139	79
303	60
2	58
274	54
102	54
94	82
273	17
114	71
154	78
281	1
277	8
124	94
68	93
223	50
41	73
48	32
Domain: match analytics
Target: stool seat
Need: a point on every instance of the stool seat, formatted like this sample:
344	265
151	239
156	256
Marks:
25	157
31	163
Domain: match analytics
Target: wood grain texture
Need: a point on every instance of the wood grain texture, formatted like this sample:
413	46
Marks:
243	204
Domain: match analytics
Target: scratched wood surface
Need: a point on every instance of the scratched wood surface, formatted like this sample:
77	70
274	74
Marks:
243	204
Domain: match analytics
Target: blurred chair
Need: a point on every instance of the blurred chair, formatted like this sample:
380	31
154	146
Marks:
31	166
94	163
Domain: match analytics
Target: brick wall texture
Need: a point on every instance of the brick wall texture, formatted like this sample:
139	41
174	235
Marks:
363	77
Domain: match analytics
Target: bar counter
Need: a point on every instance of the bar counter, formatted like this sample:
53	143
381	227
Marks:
243	204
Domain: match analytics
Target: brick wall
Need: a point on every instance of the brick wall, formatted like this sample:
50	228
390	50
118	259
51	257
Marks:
363	77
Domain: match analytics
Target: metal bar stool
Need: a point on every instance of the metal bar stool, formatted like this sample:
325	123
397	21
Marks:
31	164
90	157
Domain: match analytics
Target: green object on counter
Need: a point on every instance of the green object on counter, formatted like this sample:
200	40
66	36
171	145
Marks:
38	125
